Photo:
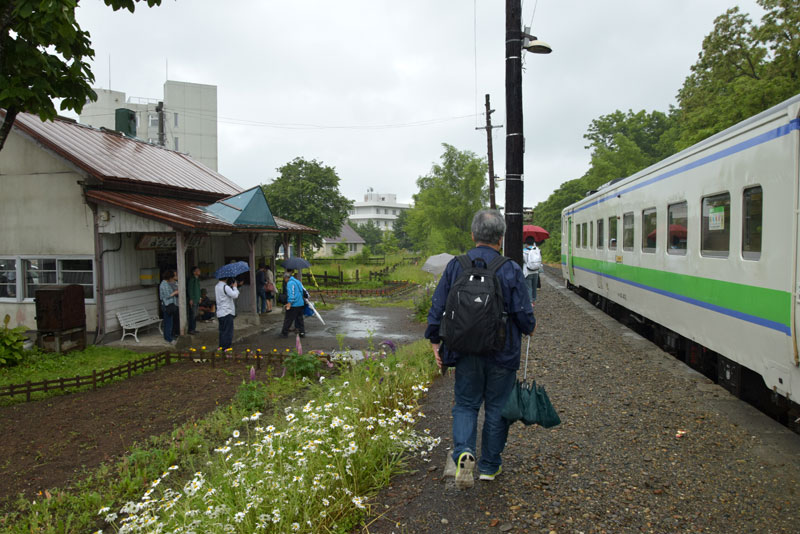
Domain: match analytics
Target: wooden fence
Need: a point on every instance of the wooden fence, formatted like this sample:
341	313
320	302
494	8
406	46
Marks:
127	370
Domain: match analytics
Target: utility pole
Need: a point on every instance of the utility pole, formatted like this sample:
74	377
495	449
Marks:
488	129
515	142
162	136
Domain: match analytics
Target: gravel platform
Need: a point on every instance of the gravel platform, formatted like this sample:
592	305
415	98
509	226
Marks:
645	445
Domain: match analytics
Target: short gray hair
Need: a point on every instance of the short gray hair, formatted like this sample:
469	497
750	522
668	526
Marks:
488	226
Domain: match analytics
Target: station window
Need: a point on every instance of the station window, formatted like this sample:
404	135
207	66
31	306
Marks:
752	202
627	231
599	233
612	233
8	278
716	225
676	228
591	233
649	230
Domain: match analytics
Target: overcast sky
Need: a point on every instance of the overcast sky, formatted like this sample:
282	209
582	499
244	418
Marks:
379	85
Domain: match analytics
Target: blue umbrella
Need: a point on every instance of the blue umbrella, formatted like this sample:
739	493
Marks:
295	263
231	270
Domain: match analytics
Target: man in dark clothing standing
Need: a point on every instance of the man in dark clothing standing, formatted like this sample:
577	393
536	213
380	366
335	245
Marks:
483	378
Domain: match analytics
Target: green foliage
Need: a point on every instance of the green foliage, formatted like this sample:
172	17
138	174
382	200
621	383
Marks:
422	305
251	395
44	55
340	250
307	192
389	243
400	230
11	343
301	365
447	200
369	232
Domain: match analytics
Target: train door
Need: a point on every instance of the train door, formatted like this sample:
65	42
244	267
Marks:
570	270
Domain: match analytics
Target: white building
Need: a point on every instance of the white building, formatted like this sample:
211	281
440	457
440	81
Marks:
189	115
380	208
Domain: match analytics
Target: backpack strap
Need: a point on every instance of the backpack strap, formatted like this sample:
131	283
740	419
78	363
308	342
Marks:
465	261
496	263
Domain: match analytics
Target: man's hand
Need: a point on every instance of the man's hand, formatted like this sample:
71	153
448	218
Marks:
436	354
287	306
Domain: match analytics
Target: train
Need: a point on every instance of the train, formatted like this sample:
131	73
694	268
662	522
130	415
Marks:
701	250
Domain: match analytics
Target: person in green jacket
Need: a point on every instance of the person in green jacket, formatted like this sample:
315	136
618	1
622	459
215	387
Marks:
193	290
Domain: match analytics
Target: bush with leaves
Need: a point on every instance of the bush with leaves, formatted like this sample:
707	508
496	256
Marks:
11	343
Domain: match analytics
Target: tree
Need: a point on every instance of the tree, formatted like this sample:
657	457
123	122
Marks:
447	200
307	192
43	55
389	243
742	69
369	232
340	250
400	231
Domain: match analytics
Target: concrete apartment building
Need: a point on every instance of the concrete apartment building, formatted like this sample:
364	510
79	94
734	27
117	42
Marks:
189	114
380	208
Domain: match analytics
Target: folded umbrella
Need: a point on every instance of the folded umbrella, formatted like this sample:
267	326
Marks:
310	310
530	403
231	270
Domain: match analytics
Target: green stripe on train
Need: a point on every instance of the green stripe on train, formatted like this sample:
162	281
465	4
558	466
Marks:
769	304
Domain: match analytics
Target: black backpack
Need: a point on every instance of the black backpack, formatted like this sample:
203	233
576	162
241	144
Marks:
474	318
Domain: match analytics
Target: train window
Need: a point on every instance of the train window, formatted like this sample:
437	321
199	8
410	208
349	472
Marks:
591	234
676	228
627	231
716	225
649	230
578	236
612	233
752	202
599	233
583	235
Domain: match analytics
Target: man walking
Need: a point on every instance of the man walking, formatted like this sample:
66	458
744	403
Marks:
485	378
294	307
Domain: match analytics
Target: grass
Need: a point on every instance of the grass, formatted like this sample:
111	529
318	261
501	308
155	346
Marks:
38	366
308	467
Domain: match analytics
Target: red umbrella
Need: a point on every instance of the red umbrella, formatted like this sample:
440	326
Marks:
536	232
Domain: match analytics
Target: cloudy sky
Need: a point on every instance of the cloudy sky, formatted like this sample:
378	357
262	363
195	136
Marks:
374	87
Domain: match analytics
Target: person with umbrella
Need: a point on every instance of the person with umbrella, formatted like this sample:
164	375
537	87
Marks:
295	293
226	292
482	378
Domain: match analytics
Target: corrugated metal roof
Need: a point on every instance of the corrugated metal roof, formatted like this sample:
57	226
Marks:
111	156
188	214
347	235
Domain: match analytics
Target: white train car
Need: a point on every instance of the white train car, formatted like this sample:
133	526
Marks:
705	245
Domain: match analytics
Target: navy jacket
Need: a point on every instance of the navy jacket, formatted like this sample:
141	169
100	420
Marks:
515	298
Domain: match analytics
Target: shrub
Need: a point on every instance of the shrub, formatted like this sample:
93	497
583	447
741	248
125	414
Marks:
301	365
11	343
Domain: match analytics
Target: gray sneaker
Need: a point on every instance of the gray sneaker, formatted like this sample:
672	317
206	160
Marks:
464	467
450	466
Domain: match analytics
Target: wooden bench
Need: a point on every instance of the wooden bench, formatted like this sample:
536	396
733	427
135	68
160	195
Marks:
134	319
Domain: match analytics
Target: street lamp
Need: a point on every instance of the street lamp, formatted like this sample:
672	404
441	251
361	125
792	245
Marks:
516	42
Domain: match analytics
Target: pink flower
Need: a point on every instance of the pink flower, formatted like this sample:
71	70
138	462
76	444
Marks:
298	344
252	373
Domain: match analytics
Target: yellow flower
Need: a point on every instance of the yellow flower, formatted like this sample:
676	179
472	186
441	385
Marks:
203	348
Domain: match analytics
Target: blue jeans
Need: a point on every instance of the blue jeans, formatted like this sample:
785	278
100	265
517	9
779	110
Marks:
532	282
225	331
479	381
169	319
261	303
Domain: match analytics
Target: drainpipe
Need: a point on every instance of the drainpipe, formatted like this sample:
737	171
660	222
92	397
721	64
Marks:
100	297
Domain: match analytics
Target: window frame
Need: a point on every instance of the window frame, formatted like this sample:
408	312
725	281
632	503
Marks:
711	253
646	229
615	237
629	248
21	275
677	251
751	255
600	244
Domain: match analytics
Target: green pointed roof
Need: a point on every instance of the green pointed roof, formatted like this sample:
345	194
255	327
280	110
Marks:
249	208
